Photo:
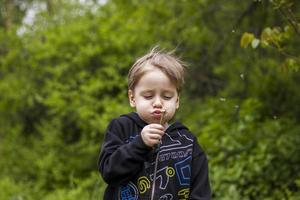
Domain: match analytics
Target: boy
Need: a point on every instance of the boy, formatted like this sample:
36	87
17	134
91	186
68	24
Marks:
143	156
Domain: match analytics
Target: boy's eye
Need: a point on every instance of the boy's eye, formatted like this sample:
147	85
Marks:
167	97
148	96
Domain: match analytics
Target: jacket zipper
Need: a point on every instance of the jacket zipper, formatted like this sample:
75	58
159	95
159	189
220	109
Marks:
155	173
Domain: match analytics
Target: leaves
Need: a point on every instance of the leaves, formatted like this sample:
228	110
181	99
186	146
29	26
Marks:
246	39
277	37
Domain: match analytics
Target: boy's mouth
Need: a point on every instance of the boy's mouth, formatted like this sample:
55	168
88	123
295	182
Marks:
158	113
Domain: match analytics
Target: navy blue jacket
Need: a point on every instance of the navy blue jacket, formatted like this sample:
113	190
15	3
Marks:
128	166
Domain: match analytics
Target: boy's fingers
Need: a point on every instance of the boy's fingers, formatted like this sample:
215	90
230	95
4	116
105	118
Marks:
155	141
152	134
156	132
157	126
155	137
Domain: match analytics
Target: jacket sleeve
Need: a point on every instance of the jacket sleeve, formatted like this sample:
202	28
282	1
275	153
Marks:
200	187
119	161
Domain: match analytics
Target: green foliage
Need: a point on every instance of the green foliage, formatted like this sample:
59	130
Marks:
64	79
280	38
248	38
245	148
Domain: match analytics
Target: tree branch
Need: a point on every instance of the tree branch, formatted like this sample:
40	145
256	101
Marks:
288	15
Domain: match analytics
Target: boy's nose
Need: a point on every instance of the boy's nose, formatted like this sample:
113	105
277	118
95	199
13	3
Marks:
157	102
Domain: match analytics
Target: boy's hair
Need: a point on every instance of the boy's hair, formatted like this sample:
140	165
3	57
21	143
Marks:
167	62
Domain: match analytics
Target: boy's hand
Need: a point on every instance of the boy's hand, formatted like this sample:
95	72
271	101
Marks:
152	133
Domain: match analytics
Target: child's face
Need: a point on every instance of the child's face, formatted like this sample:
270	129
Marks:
154	93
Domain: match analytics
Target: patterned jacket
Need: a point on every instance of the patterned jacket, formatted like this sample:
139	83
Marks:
178	165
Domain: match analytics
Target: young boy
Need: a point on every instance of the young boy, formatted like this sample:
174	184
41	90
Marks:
144	156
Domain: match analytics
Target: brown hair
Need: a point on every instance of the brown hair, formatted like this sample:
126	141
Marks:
167	62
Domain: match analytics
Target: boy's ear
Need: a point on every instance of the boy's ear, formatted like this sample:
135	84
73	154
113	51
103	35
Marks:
177	102
131	98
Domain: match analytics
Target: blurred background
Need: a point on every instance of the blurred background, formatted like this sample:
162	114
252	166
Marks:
63	70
